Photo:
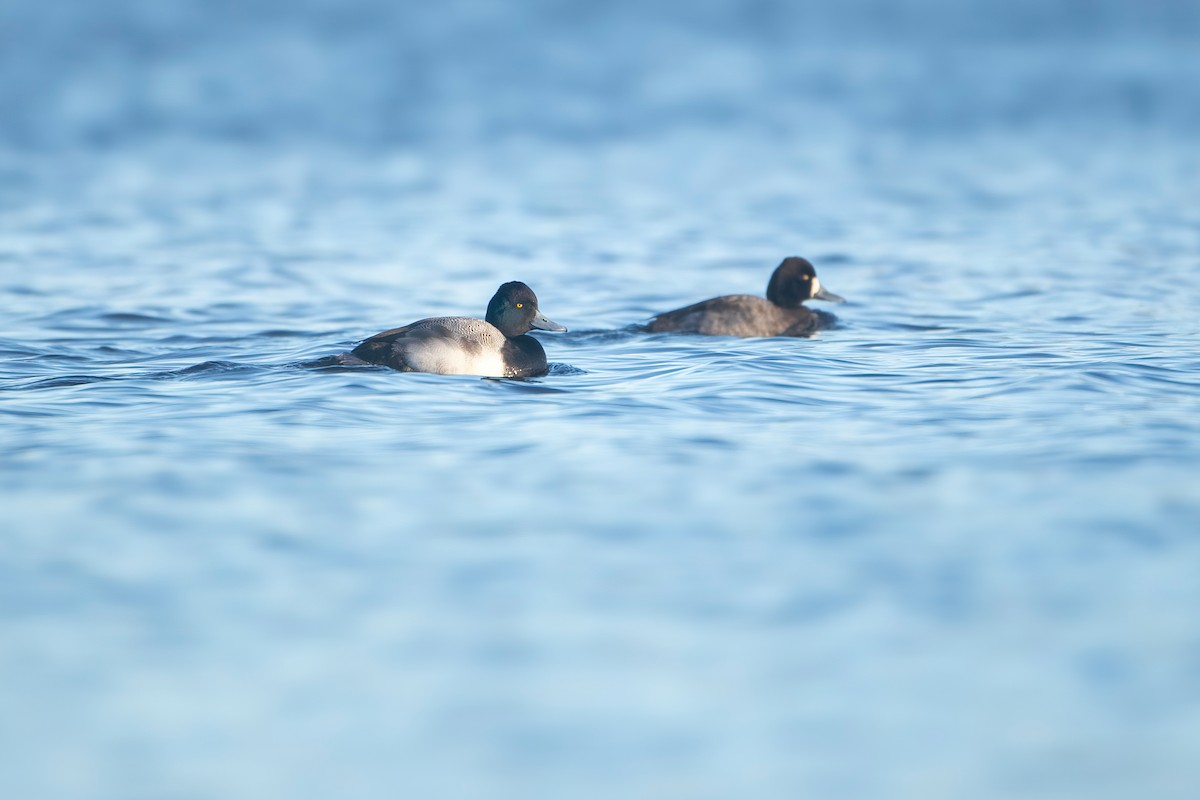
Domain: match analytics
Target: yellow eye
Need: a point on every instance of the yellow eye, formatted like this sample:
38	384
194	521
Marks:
520	305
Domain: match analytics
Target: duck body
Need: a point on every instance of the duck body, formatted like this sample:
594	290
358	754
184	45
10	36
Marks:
493	347
780	313
454	346
744	315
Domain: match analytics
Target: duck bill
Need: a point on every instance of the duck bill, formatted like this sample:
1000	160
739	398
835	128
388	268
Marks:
543	323
821	293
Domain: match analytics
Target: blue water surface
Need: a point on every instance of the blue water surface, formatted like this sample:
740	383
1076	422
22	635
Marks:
948	549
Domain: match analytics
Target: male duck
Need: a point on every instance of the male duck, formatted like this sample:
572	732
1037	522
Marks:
495	346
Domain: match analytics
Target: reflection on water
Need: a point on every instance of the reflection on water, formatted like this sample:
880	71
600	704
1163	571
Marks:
943	550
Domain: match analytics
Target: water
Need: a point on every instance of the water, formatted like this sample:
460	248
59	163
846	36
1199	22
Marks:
948	549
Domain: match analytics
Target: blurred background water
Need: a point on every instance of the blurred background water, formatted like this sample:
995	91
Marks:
948	549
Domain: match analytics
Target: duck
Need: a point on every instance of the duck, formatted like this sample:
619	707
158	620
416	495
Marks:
496	346
781	313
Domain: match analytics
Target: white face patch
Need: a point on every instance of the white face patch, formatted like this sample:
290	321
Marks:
816	286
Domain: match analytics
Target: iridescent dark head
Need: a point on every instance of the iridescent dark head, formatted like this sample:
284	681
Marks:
795	281
514	310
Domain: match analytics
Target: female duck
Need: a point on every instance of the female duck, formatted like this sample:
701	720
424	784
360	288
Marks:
782	313
495	346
